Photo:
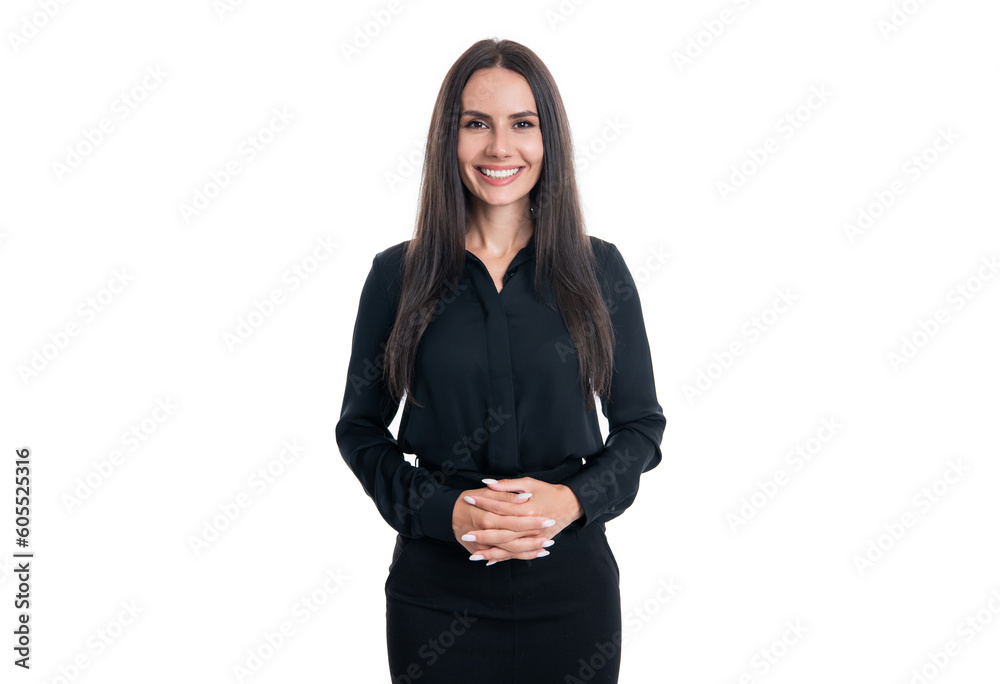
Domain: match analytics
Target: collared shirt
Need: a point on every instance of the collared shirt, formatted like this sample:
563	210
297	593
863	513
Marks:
497	375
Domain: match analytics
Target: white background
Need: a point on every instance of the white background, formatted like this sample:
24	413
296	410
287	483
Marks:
655	135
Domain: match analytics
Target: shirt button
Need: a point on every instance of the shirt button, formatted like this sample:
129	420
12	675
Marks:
511	271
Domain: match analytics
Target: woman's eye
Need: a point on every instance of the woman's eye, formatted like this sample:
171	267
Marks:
472	124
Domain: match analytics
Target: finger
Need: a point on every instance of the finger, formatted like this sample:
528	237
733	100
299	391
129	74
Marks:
504	538
486	493
511	506
496	560
488	502
496	537
517	484
526	544
499	554
492	553
517	523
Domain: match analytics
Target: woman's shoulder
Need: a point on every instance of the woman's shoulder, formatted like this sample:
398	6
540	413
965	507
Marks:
387	264
609	259
602	248
392	255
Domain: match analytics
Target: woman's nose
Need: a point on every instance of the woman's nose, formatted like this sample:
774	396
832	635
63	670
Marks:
498	145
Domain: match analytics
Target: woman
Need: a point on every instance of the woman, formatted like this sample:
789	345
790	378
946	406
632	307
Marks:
499	321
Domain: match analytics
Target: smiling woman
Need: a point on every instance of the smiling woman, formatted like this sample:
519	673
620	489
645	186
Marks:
499	322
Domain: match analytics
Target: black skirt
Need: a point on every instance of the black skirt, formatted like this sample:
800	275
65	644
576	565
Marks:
548	620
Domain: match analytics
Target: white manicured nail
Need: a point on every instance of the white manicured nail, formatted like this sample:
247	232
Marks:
476	556
548	523
523	495
489	480
468	537
542	553
470	500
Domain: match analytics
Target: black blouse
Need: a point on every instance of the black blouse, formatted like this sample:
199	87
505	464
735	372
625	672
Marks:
497	375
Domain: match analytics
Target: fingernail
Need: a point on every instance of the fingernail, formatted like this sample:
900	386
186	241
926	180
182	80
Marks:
489	480
490	563
548	523
470	500
542	553
476	556
468	537
550	542
523	495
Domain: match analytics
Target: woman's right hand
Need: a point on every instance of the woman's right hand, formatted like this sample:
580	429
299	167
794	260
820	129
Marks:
498	537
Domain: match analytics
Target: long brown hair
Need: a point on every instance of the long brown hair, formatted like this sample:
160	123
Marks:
434	259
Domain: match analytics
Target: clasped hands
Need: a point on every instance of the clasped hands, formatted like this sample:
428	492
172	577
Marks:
513	518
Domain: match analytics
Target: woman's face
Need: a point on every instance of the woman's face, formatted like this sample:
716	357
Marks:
498	130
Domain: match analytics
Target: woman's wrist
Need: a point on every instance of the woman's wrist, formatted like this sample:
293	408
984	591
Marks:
577	510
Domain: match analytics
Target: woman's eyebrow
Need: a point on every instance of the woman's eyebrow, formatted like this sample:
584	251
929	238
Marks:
517	115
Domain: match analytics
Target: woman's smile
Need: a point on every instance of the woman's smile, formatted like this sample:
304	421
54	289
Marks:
499	175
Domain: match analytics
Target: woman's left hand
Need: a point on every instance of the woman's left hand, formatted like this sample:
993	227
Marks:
555	501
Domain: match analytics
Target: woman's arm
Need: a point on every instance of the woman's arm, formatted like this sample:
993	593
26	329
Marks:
609	482
406	496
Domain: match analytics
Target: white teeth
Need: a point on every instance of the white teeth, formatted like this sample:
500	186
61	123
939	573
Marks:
498	174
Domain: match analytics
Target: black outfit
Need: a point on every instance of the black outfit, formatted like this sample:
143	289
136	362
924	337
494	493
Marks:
497	374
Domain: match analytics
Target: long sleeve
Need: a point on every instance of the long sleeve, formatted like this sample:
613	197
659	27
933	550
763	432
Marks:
608	483
407	497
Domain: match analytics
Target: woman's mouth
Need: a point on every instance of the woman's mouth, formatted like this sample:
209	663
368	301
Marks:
499	176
